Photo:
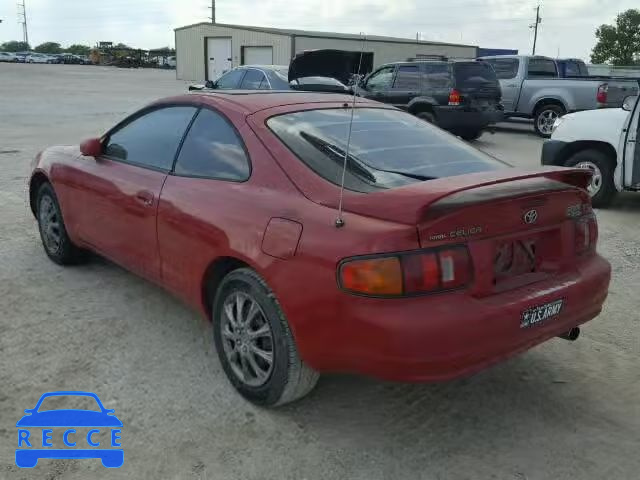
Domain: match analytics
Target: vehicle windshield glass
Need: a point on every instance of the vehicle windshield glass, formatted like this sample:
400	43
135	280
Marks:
388	148
472	74
66	402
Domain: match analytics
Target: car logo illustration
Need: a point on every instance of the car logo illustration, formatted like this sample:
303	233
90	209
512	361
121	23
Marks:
30	439
530	217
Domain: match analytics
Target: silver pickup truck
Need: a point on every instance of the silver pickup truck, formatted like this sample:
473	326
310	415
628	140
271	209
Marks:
531	88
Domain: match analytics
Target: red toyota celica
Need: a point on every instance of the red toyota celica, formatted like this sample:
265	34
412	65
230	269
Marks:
442	261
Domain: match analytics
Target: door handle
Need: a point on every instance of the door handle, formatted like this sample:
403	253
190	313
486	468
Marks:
146	198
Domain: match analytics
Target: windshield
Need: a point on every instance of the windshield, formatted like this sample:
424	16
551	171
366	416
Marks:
388	148
75	402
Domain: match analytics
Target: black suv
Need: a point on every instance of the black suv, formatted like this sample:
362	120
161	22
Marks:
462	97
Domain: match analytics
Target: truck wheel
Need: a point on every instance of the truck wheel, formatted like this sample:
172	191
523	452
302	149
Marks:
544	118
255	344
427	117
470	134
602	188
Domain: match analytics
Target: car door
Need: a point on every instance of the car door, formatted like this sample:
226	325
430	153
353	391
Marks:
631	141
118	192
254	79
377	86
507	72
201	195
406	85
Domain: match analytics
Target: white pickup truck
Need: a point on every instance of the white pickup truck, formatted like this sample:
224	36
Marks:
603	141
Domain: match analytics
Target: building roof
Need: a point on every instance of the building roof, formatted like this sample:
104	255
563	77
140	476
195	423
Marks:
313	33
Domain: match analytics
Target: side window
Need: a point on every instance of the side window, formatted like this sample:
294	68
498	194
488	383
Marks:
230	80
212	149
254	80
152	139
437	75
381	80
542	67
505	68
407	78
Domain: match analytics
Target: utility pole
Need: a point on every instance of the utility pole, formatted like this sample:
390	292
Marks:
535	27
25	33
213	11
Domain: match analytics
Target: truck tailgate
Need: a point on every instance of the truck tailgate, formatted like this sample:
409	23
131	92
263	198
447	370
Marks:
618	90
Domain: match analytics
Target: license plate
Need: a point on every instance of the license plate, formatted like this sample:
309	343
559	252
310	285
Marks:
539	314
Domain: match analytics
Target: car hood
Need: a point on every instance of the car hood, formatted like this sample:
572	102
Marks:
69	418
603	124
338	64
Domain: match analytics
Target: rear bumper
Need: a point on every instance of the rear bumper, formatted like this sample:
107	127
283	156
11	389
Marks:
551	152
462	117
451	335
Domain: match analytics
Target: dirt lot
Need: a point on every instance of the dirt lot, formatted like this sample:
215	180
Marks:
562	411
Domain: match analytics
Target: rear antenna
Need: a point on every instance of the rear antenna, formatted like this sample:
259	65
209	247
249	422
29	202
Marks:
340	220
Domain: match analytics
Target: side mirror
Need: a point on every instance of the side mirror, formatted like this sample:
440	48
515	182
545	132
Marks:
210	84
91	147
629	102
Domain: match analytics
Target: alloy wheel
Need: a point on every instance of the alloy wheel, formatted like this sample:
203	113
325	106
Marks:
50	224
247	339
546	120
596	180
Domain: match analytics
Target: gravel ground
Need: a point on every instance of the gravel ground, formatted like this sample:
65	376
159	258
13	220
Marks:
562	411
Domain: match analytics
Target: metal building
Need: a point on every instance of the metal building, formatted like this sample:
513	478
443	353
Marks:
205	50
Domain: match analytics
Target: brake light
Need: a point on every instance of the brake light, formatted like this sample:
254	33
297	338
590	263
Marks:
454	97
586	234
601	96
426	271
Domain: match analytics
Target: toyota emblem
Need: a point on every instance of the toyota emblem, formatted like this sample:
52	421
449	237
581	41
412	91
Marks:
530	217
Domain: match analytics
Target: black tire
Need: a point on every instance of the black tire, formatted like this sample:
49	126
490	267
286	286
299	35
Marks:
542	113
63	252
470	134
427	116
602	195
290	378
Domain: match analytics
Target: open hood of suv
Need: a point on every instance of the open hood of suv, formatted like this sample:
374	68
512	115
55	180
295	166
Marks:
338	64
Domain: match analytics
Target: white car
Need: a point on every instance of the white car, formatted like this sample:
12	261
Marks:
604	141
37	58
7	57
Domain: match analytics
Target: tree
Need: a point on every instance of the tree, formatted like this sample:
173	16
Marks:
15	46
619	44
48	47
77	49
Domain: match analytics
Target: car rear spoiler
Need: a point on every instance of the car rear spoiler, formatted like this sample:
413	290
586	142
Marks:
410	204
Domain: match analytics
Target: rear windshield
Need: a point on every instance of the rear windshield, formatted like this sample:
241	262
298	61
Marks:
388	148
472	74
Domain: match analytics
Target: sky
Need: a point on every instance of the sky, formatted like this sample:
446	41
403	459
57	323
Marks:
567	27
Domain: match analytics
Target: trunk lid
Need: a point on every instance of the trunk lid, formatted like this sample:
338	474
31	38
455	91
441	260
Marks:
519	229
339	64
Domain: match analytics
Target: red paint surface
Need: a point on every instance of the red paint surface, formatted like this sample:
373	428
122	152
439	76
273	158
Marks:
170	229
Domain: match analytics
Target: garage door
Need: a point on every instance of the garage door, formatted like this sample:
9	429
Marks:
258	55
218	57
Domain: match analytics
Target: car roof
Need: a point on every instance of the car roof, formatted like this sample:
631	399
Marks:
265	67
251	101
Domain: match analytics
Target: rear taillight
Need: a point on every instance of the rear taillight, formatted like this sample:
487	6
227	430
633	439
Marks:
454	97
601	96
406	274
586	234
